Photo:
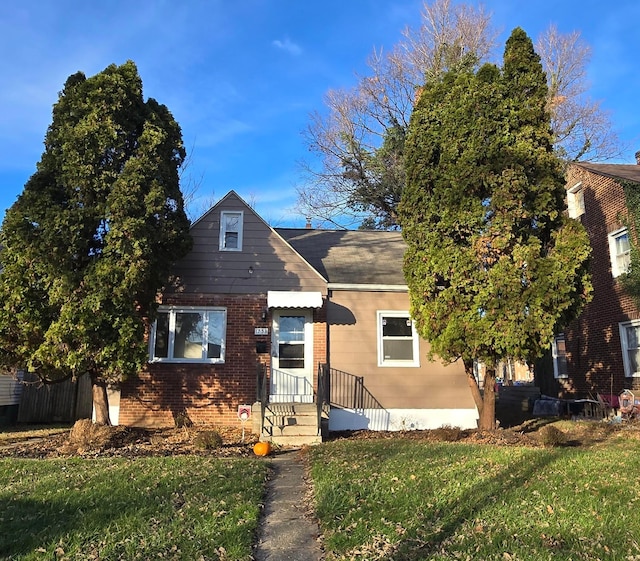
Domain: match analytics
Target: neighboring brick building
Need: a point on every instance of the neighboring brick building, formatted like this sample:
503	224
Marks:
249	297
600	352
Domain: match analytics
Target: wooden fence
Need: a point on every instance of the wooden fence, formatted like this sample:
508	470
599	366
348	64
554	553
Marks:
65	402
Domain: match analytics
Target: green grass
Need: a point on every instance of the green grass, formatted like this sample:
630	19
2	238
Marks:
408	500
149	508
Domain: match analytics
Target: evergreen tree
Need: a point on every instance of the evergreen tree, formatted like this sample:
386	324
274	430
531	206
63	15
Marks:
89	242
494	267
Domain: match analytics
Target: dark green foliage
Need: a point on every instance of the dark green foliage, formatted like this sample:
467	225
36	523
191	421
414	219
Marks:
377	179
90	240
631	280
493	265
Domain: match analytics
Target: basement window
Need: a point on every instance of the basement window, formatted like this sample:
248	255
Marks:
398	342
188	335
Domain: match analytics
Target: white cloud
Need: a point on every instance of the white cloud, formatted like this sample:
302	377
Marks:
288	46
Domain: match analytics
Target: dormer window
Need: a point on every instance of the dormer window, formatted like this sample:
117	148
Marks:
231	231
575	201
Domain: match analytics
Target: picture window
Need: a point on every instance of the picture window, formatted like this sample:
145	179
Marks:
189	335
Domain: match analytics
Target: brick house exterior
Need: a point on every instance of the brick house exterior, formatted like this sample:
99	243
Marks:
588	358
250	297
209	394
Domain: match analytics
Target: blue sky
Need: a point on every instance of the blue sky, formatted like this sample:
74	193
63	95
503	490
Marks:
241	77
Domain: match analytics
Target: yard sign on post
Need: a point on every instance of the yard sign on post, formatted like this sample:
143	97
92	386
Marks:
244	412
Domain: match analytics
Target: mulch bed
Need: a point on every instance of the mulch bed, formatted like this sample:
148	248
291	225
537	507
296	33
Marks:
92	441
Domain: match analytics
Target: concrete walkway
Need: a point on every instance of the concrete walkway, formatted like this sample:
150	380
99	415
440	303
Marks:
286	533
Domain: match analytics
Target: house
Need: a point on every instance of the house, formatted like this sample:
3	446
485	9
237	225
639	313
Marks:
599	352
291	322
10	393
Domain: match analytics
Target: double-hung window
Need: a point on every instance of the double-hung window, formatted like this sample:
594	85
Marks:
630	341
189	335
398	342
620	251
559	353
231	230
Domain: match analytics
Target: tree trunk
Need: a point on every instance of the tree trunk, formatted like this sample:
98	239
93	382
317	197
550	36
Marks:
473	385
100	400
488	413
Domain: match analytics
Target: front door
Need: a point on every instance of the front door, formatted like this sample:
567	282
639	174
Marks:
292	356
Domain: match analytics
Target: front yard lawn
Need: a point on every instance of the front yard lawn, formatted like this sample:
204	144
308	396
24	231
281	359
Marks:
406	500
184	507
401	496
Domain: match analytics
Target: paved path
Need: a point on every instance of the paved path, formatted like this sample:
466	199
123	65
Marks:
286	534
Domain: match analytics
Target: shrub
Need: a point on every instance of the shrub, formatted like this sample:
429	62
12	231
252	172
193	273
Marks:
208	440
447	433
182	420
550	435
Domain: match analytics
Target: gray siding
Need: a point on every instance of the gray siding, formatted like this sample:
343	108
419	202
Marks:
266	261
10	390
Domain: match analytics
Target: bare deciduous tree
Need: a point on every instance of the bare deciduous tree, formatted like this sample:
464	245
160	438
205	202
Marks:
358	175
581	127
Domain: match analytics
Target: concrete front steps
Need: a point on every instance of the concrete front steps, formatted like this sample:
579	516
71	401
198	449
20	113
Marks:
289	424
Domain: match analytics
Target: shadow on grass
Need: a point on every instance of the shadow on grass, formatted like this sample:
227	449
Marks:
31	526
76	509
435	530
474	501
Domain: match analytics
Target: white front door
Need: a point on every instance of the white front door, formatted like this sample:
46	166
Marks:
292	356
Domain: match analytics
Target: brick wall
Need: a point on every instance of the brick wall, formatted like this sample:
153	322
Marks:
320	338
593	341
209	393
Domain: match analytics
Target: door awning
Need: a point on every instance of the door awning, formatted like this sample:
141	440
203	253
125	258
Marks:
291	299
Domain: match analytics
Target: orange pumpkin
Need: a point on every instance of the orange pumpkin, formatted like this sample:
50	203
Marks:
262	448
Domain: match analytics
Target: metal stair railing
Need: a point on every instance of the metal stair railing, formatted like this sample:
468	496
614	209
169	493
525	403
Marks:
348	391
262	391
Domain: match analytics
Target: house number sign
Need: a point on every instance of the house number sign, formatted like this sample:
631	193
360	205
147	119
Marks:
261	331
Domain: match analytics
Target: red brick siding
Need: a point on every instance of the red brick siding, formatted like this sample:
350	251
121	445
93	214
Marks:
593	341
320	338
209	393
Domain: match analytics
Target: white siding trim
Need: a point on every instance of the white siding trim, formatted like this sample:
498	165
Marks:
401	419
368	287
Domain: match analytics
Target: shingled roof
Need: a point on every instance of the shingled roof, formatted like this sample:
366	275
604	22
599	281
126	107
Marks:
351	256
629	172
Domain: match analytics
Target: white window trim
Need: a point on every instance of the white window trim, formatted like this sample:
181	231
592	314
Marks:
173	310
223	229
625	348
615	270
575	201
554	354
415	339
